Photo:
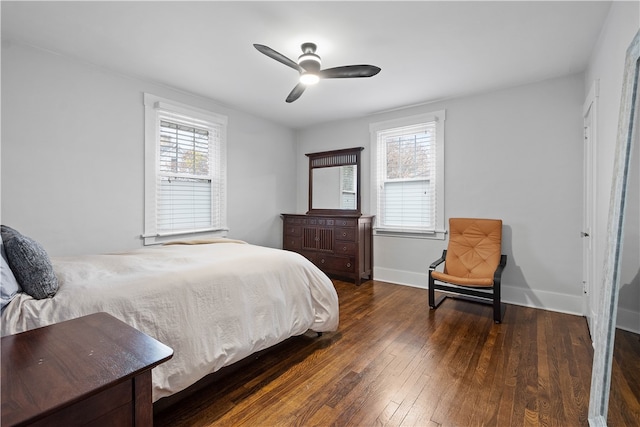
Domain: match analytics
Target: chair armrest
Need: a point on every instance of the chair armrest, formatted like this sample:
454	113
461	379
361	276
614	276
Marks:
497	275
438	261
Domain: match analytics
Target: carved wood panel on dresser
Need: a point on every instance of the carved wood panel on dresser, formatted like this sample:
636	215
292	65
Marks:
339	245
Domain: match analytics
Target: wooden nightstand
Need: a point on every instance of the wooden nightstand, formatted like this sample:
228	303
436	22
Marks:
94	369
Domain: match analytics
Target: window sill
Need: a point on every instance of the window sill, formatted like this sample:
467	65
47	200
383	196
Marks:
431	235
158	239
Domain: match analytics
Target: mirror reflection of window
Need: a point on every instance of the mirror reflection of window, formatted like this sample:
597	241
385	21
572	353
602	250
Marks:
348	187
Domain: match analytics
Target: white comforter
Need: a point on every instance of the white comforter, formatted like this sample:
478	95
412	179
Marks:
214	304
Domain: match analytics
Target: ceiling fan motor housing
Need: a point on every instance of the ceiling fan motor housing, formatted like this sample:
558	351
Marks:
309	60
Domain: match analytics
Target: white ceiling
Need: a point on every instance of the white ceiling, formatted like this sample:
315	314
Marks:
427	50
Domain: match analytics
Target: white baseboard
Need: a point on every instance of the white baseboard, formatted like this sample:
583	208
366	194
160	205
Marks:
553	301
628	320
401	277
569	304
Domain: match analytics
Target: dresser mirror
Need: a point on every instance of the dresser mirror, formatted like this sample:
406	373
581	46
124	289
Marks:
334	182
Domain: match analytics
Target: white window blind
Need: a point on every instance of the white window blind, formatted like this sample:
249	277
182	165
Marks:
407	188
348	187
185	172
185	176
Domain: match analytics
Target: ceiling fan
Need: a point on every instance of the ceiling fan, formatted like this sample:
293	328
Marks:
308	66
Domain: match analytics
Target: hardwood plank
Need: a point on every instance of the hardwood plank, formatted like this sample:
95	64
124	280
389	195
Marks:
625	383
394	362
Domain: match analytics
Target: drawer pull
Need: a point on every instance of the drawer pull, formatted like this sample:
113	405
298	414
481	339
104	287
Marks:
322	261
344	234
348	265
344	248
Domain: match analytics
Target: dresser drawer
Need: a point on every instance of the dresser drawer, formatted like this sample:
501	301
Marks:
292	230
292	243
346	234
334	263
99	409
294	221
310	255
340	222
345	248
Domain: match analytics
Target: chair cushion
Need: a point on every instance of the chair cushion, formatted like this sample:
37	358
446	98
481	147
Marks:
463	281
474	250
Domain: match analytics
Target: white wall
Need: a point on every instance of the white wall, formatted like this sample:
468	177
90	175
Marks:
607	66
514	154
72	165
72	157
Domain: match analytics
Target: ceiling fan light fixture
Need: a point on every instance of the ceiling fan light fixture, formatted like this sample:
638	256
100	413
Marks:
308	66
309	78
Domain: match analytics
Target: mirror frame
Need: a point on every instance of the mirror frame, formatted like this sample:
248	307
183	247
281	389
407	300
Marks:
335	158
605	322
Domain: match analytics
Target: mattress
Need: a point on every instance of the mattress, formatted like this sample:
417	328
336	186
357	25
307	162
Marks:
213	303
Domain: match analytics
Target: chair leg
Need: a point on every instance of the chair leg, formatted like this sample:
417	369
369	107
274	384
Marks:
432	298
433	304
497	304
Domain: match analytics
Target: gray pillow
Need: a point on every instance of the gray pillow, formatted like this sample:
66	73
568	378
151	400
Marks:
9	286
31	266
8	233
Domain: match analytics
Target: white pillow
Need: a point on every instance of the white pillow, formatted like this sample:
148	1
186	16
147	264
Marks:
9	286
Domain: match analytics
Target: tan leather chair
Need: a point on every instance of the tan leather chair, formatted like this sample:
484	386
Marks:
473	263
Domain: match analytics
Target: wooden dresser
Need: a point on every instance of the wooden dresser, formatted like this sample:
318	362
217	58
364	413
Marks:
339	245
93	370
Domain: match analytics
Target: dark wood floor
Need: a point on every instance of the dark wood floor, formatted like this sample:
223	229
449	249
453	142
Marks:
395	362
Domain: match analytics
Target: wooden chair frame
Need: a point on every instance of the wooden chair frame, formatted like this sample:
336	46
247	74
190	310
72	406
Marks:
483	294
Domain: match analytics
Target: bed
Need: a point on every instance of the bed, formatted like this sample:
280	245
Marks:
214	303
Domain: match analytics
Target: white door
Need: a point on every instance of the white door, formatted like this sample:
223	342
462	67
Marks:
588	211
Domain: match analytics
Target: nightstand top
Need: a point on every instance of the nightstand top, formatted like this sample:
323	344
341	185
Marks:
48	368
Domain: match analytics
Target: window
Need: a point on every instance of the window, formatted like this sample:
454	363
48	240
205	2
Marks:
408	173
185	170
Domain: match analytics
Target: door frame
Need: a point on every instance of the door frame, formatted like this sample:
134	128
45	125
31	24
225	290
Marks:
589	239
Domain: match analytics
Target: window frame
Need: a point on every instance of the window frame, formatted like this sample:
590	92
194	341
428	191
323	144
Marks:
375	129
157	109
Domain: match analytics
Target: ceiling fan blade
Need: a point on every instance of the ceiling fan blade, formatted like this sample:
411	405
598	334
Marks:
296	92
349	71
278	57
